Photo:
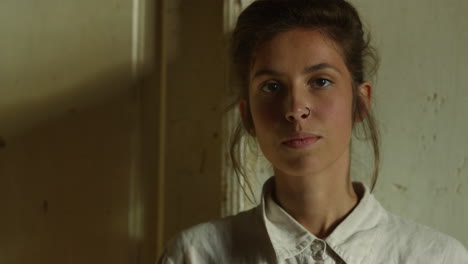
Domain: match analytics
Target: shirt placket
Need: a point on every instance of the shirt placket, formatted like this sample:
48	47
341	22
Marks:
317	252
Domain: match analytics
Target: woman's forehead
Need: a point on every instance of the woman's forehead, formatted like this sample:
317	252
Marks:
297	49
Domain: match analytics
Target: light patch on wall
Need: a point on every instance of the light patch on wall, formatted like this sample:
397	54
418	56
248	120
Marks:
138	18
136	210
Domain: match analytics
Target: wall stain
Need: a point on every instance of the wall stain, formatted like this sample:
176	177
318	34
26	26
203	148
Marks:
463	162
441	190
461	166
400	187
441	101
72	110
434	137
202	162
437	100
177	121
2	142
45	206
458	190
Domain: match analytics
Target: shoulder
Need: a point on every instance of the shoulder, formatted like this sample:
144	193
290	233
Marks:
214	241
416	242
215	231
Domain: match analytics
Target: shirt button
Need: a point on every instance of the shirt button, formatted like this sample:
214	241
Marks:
318	248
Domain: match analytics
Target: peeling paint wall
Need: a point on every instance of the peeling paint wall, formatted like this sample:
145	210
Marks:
421	105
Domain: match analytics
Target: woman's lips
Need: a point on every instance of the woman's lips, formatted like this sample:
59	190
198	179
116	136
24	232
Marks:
300	141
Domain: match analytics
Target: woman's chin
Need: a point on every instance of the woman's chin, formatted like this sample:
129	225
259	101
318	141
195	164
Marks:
298	167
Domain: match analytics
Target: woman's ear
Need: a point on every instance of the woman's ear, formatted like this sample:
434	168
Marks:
245	115
364	97
242	108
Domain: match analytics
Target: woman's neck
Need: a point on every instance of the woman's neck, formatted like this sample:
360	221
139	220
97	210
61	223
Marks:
320	201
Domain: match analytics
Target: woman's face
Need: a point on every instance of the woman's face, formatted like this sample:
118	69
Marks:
301	102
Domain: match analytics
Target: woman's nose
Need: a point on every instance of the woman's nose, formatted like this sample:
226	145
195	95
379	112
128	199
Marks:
297	103
298	113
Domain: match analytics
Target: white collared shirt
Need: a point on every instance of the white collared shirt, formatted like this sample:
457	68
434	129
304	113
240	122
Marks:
267	234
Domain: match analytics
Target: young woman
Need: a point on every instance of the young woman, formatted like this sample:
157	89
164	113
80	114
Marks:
303	65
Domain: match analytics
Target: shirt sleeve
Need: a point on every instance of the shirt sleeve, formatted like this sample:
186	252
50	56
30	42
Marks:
172	254
165	259
455	253
179	251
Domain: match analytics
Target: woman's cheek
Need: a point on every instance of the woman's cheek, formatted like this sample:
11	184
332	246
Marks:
337	111
264	111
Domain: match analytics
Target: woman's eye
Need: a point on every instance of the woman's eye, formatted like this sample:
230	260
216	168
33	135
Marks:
321	83
270	87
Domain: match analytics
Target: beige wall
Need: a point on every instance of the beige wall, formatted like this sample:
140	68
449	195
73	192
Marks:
110	113
421	104
195	84
77	114
64	189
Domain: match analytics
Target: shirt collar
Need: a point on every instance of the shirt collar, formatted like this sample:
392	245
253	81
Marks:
287	236
290	238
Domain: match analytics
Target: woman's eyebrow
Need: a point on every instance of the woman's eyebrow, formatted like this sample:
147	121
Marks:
268	72
307	70
320	66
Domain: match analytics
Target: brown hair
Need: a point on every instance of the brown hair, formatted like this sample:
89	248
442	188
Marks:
336	19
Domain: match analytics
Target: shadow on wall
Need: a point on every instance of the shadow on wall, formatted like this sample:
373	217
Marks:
66	168
18	116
